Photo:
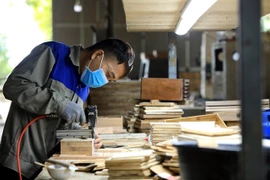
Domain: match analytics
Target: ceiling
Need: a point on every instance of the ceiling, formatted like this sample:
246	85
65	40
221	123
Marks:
163	16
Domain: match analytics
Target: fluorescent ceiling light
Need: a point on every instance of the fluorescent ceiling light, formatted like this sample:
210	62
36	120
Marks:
193	11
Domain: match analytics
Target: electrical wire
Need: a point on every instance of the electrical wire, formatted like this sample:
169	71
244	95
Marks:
20	139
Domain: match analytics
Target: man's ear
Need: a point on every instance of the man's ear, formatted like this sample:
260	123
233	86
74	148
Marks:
97	53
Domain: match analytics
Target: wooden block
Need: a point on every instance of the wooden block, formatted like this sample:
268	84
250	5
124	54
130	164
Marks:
164	89
75	146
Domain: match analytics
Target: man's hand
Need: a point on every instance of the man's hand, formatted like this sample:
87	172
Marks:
97	141
73	113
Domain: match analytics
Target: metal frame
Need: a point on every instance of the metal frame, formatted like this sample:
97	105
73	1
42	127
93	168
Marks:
252	161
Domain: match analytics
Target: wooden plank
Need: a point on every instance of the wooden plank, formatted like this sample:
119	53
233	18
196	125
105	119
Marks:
145	172
159	116
215	131
123	97
208	117
154	103
228	108
230	103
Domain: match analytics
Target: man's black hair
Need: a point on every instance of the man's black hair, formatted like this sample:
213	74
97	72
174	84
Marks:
117	48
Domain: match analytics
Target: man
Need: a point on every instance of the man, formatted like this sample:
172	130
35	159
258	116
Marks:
54	80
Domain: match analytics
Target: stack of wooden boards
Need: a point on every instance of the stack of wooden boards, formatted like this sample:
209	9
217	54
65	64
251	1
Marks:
163	131
131	165
207	130
229	110
208	125
168	153
173	91
153	111
130	119
125	139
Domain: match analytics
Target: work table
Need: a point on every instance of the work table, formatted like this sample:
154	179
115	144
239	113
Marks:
44	175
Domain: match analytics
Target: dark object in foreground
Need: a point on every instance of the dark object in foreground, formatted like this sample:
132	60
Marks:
222	163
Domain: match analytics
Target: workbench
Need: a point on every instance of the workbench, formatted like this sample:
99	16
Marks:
44	175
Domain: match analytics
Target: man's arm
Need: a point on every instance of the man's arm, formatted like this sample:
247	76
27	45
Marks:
25	85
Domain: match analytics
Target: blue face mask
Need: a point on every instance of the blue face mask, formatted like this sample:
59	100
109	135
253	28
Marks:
94	79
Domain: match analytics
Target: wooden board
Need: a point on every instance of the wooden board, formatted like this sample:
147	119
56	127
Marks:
208	117
156	103
159	116
230	103
215	131
121	97
163	111
164	89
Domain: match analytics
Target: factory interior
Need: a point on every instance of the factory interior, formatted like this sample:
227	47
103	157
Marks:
195	105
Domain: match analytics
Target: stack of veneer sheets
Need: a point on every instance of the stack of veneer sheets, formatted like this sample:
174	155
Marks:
156	112
126	139
230	110
169	156
208	134
131	165
163	131
130	118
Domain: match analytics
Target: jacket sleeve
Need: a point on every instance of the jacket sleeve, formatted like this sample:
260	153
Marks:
25	84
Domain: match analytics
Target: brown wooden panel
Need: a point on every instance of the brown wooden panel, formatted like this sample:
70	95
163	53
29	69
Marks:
115	98
164	89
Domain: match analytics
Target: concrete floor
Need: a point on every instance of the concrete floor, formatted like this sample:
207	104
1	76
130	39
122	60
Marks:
44	175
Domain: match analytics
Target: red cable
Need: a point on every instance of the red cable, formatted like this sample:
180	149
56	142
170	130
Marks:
19	144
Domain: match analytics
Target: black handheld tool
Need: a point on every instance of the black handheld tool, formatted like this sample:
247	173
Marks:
91	117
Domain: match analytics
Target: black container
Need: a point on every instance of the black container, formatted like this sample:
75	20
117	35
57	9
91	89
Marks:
198	163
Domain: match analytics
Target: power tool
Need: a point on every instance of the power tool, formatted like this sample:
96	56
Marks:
91	119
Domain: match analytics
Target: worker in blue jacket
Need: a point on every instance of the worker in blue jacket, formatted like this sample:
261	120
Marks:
53	83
